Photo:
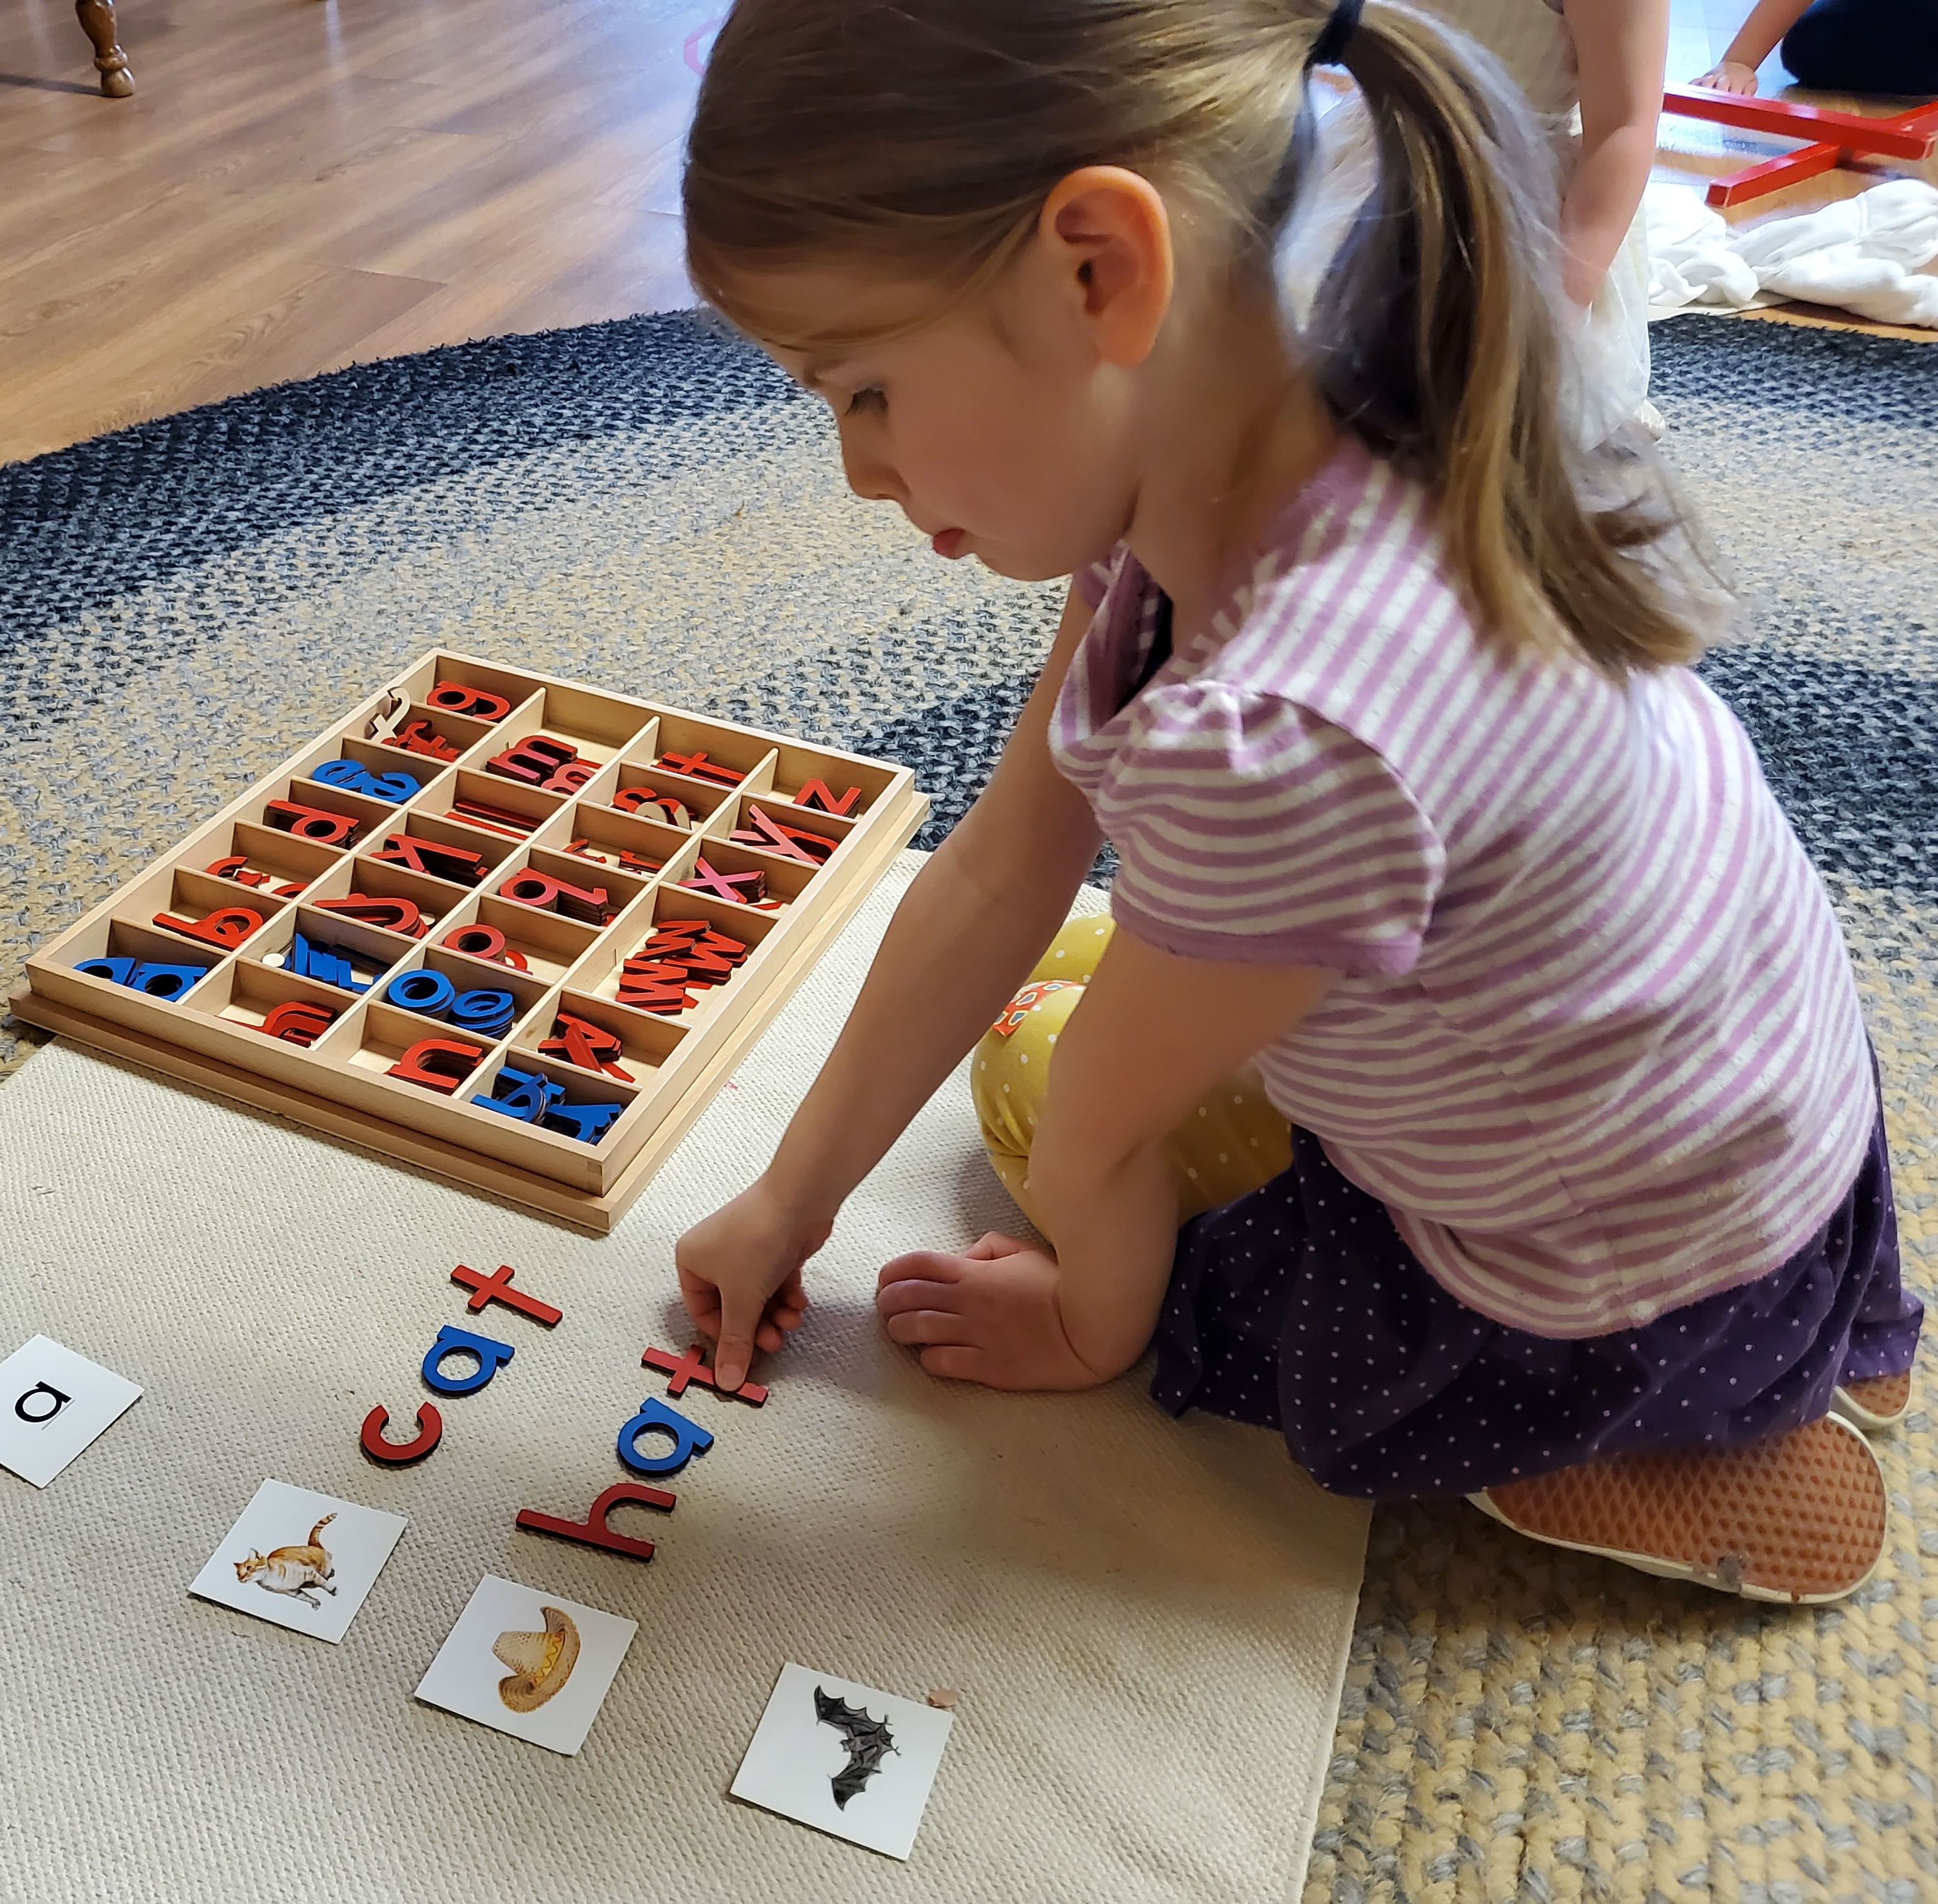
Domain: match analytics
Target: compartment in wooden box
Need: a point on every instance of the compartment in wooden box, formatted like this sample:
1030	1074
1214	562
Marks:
517	1090
437	901
391	778
767	823
322	816
624	843
633	791
456	684
442	987
465	856
599	726
709	752
797	769
385	1035
209	914
549	945
739	876
294	1011
646	1043
603	975
570	888
497	805
127	945
432	737
260	859
332	942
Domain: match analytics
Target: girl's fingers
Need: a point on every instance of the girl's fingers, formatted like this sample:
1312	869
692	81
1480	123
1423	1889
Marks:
987	1248
923	1325
954	1364
930	1265
900	1298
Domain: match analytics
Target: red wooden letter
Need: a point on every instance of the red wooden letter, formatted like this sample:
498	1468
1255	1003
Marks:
592	1530
498	1289
431	1431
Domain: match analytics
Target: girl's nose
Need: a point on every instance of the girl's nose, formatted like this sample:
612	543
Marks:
871	477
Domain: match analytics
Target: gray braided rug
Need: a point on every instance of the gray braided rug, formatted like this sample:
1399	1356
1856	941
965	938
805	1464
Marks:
646	504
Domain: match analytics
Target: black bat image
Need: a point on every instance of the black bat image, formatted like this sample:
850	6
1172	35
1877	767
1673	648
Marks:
868	1741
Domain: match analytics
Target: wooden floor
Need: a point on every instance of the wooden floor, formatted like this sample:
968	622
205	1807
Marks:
300	185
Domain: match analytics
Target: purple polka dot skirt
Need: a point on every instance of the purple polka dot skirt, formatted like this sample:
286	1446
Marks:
1298	1308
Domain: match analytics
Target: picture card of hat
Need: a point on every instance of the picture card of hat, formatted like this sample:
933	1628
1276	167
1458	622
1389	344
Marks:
531	1664
305	1561
845	1758
53	1403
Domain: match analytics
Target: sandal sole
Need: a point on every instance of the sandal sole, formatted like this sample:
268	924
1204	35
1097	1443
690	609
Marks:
1799	1520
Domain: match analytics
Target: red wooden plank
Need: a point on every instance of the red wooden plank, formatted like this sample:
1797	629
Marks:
1890	139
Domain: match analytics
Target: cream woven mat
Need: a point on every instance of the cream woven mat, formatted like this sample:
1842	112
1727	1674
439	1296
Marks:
1146	1620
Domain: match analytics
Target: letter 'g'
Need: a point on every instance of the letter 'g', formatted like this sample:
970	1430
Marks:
37	1415
491	1355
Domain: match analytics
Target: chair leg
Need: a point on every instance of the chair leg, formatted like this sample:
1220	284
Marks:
97	22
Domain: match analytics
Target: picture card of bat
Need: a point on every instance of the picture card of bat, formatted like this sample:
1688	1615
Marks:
302	1560
528	1663
845	1758
53	1404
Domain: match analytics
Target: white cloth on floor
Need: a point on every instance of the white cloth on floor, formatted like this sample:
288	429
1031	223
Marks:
1862	254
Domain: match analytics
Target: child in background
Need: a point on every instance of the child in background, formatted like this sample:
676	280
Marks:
1592	71
1469	998
1883	46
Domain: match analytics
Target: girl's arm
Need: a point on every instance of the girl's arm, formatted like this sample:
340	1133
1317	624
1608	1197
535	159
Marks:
1621	48
1152	1035
963	938
1768	21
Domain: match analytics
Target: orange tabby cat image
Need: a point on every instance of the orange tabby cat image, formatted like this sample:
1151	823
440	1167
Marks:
294	1570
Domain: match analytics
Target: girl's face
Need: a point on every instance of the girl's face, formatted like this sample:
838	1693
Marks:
997	426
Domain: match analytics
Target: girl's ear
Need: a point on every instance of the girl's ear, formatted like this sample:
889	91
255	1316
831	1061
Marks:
1107	236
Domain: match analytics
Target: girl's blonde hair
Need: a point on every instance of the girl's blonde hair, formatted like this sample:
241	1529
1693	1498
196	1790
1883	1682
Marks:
916	140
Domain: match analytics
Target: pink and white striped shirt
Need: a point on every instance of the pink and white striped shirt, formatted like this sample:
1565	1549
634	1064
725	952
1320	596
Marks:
1595	1040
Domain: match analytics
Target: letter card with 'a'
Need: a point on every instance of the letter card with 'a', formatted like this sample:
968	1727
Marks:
53	1403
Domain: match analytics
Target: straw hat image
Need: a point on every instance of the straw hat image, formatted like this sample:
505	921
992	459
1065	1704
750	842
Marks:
541	1663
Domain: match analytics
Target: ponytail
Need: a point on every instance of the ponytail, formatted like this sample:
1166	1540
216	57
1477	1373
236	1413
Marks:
1436	338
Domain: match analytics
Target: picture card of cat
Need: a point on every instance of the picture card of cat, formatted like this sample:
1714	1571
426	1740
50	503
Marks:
53	1403
845	1759
302	1560
528	1663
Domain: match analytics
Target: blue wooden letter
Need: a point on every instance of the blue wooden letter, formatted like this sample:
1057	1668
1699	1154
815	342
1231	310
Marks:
491	1355
689	1439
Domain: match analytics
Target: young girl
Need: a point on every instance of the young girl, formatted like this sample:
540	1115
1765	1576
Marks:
1425	828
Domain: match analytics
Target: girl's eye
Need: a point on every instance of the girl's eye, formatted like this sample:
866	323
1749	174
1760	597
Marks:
865	400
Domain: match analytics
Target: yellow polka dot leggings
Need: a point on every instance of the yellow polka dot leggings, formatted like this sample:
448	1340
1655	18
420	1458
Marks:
1233	1142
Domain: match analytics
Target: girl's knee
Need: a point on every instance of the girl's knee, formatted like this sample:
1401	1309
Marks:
1009	1075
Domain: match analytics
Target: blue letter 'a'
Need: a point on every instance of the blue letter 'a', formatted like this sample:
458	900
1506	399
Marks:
491	1355
689	1439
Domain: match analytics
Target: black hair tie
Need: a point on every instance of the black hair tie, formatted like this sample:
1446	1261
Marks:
1330	46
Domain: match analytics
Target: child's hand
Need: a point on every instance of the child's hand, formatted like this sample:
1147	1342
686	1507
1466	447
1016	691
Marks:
1728	76
739	1276
988	1315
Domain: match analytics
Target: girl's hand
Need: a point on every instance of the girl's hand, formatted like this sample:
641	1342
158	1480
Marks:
1728	76
988	1315
739	1276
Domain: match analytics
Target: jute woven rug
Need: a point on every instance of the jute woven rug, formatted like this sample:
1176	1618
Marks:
181	604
